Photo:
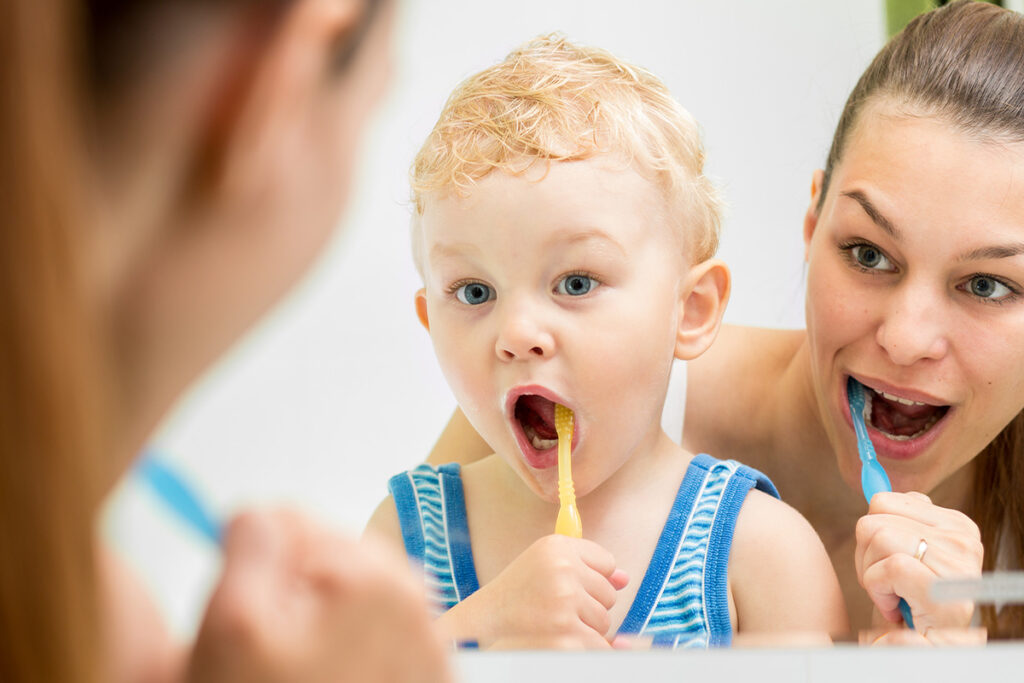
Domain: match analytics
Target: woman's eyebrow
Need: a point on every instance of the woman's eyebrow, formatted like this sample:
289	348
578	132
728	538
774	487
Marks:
993	252
979	254
872	211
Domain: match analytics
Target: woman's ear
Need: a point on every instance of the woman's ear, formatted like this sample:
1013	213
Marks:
701	306
421	308
811	217
279	65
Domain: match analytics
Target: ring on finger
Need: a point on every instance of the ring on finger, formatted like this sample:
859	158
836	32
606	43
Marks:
922	548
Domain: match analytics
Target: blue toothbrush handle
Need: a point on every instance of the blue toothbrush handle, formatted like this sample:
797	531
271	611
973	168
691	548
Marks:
873	478
908	617
179	498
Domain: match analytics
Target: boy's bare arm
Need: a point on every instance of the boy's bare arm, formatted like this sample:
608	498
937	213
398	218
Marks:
555	595
781	578
458	443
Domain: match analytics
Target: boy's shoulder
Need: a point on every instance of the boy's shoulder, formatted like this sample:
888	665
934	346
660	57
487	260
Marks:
774	545
385	519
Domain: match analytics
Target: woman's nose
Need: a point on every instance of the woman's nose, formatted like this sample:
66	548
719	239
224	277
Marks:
915	326
522	335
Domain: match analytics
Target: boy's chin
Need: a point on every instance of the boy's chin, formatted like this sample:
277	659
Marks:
542	483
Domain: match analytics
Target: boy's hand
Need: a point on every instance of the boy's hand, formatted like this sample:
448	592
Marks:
297	603
556	594
892	561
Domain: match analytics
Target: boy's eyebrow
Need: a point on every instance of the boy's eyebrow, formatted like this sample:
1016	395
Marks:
452	249
456	249
587	235
872	211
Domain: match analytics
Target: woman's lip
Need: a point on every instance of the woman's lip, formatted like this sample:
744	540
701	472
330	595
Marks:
903	392
884	446
533	457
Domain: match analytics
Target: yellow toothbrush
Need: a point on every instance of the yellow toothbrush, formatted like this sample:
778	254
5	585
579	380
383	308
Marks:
568	523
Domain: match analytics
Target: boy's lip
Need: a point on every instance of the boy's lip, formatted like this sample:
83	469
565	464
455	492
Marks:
534	458
885	446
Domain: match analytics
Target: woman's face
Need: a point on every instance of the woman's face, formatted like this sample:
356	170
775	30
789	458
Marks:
192	270
915	288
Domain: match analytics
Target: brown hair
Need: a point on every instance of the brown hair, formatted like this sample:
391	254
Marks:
59	63
50	421
964	64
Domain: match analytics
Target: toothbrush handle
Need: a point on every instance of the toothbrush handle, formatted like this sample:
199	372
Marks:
569	522
179	498
908	616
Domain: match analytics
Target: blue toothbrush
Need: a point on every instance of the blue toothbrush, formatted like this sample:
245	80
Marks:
179	497
873	478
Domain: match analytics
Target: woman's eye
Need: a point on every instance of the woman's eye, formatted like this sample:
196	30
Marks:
986	287
474	293
870	257
576	285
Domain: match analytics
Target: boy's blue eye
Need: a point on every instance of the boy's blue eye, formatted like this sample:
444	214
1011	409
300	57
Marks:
576	285
474	293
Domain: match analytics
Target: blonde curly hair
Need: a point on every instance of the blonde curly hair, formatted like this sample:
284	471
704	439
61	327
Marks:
552	100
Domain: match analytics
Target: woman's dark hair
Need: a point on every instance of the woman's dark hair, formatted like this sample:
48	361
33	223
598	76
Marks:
962	63
59	62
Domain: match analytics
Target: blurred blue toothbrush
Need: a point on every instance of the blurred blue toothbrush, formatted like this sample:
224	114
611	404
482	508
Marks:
873	478
179	497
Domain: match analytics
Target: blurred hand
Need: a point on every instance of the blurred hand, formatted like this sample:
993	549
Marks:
555	595
298	603
888	538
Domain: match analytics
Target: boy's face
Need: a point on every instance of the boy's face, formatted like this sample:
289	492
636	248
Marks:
561	287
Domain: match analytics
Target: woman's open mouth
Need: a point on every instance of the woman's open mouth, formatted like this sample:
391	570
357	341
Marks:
898	418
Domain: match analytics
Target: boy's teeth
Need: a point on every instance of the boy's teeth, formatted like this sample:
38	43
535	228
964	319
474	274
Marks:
542	444
537	442
904	401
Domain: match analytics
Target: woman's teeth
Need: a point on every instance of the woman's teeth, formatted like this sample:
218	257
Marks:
536	441
868	399
898	399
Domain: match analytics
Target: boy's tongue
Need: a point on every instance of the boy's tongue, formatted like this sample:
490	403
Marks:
900	419
539	414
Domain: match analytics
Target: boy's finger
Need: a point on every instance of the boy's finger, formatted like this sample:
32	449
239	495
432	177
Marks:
619	579
597	558
595	615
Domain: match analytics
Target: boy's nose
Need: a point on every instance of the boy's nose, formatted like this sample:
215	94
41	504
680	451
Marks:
522	336
915	327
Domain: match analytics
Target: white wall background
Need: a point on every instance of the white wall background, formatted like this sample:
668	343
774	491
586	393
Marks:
301	412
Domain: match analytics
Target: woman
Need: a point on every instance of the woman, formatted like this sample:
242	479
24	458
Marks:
915	287
169	170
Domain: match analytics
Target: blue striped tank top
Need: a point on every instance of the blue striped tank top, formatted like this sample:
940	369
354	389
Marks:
682	600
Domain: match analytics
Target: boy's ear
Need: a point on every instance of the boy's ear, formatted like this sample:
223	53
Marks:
811	217
421	308
702	304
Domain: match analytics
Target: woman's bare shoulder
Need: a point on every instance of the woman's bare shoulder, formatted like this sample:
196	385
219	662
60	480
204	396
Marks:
729	381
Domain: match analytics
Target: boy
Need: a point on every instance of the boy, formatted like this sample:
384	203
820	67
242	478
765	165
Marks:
565	231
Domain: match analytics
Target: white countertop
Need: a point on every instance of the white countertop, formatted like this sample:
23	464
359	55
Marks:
989	664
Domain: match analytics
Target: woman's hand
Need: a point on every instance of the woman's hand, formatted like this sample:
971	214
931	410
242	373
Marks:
903	544
555	595
298	603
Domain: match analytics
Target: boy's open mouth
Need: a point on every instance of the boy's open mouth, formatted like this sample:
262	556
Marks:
536	417
900	419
